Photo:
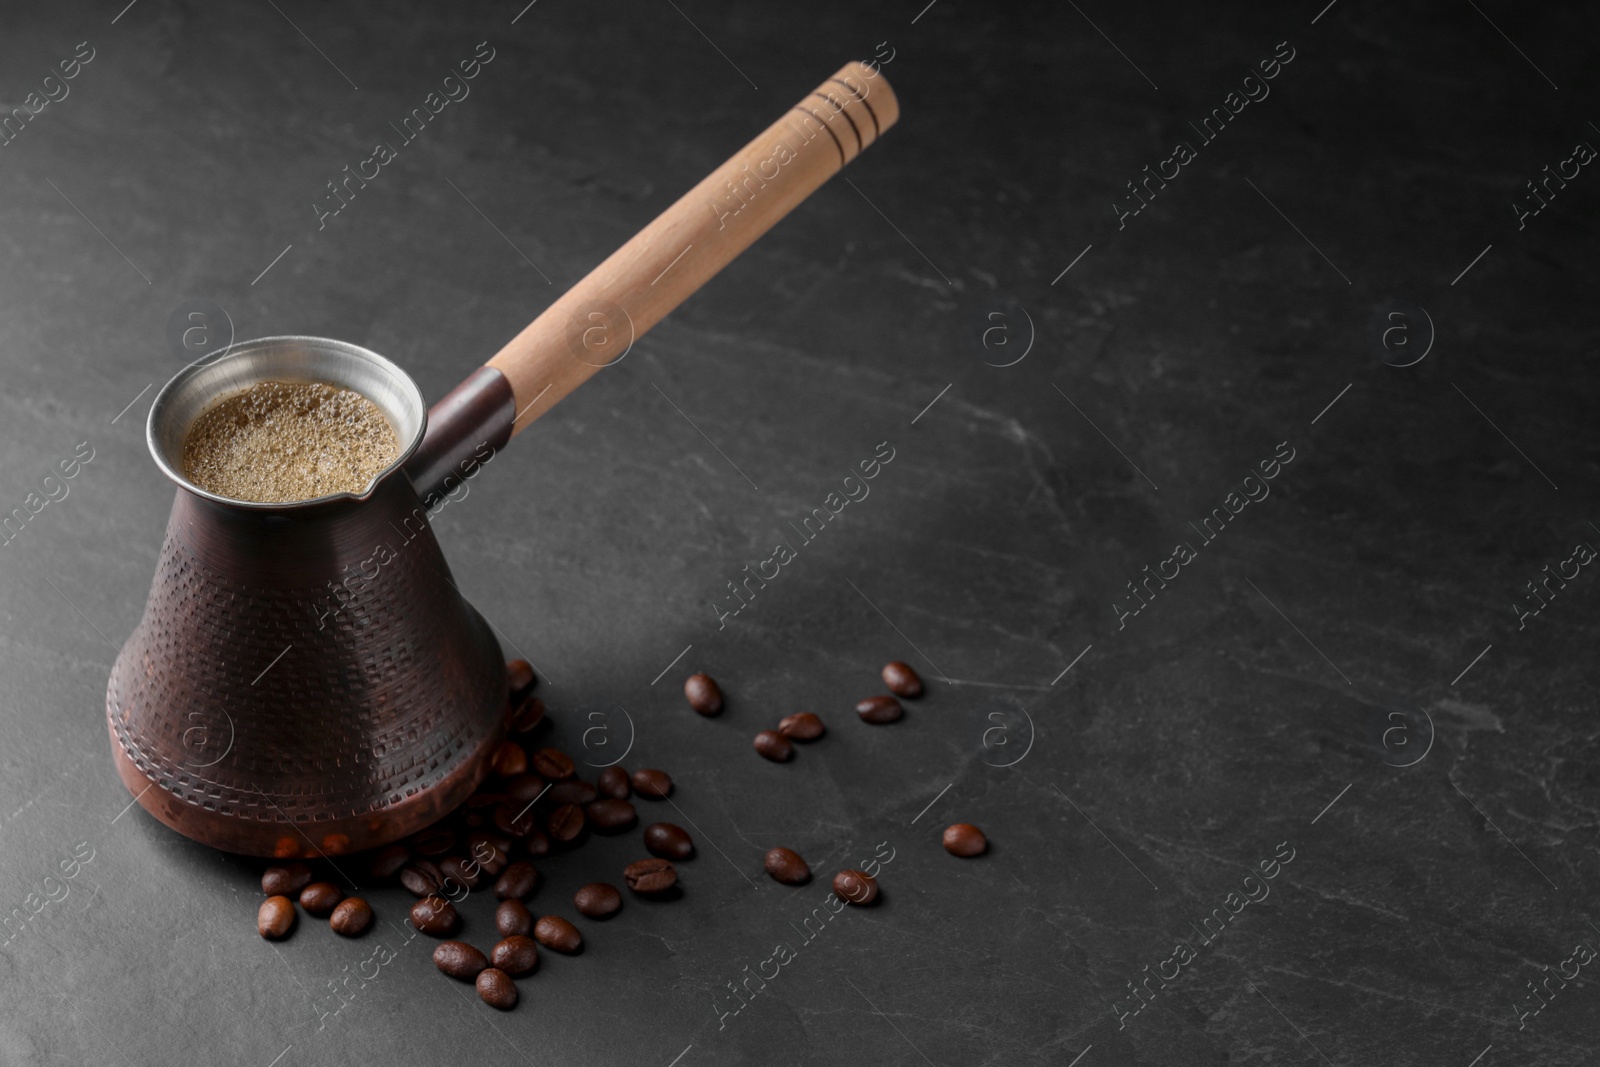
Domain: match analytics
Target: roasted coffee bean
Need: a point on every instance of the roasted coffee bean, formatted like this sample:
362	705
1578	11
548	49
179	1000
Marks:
613	783
554	932
879	710
497	989
964	839
774	746
459	960
387	861
512	917
650	876
703	694
536	844
565	824
475	813
515	817
421	877
801	726
491	852
518	881
598	900
519	677
275	918
524	788
351	918
434	843
652	784
516	955
576	791
901	679
553	764
668	841
285	880
528	713
611	816
320	898
434	916
855	887
461	871
786	866
510	760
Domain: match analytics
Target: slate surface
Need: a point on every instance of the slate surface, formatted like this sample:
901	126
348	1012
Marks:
1131	770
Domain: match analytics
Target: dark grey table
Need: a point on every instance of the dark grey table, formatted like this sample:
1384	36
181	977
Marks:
1347	687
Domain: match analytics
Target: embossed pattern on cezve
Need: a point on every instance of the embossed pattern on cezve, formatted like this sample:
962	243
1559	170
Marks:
230	696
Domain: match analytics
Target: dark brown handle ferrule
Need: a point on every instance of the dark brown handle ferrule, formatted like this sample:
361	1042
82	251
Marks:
465	429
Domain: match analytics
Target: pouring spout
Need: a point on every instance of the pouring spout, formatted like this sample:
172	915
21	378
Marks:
468	426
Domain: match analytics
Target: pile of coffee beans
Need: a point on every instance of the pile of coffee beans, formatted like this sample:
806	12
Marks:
532	806
285	883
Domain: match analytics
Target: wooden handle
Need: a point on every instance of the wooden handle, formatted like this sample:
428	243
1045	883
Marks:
596	321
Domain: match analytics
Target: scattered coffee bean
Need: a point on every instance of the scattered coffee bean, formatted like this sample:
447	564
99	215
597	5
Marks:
553	764
515	817
650	876
611	816
512	917
387	861
516	956
879	710
614	783
524	788
801	726
285	880
598	900
577	791
855	887
964	839
351	918
518	881
476	812
554	932
668	841
703	694
774	746
462	872
536	844
565	824
519	677
652	784
490	851
497	989
510	760
434	916
786	866
421	878
275	918
901	679
526	715
320	898
434	843
459	960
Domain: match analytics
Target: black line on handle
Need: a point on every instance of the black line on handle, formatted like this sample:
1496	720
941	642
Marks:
862	99
825	129
860	145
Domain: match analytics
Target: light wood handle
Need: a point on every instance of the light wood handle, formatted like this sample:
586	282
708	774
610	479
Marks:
596	321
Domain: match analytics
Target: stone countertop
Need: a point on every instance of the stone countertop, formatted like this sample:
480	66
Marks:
1347	686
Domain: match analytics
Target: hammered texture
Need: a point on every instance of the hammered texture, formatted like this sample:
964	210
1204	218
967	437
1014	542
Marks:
257	692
